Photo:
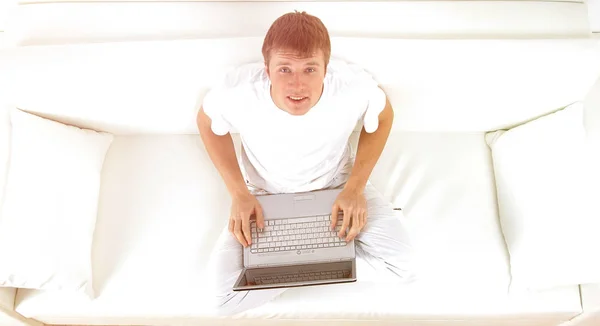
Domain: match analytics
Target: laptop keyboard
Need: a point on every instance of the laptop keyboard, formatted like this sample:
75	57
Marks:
302	277
295	234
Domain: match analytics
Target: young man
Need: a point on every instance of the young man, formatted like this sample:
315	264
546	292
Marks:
295	113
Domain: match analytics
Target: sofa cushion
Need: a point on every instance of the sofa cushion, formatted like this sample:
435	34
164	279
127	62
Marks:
548	180
4	148
51	198
444	183
590	301
163	205
4	118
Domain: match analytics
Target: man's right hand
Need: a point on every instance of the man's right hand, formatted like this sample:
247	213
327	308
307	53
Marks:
243	207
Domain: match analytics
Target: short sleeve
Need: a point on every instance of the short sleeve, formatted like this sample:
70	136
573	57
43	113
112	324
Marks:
370	98
216	103
375	104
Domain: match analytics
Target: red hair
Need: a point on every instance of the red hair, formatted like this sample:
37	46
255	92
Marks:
298	32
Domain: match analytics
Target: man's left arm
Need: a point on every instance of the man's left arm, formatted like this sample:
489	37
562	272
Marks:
370	146
351	200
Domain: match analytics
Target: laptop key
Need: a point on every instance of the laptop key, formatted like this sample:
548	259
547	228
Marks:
296	233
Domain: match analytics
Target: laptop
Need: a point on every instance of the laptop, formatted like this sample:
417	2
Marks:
296	246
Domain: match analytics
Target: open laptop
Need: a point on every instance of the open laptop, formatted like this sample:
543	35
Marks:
297	246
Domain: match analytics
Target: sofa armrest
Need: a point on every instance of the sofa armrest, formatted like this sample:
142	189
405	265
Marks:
7	298
590	304
590	301
8	316
592	110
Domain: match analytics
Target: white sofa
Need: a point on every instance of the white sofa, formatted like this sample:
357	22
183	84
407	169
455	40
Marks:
162	203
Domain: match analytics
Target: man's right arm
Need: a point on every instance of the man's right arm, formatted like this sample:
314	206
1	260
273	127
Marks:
221	151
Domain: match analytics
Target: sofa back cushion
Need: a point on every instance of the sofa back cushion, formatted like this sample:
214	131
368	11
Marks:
37	22
434	85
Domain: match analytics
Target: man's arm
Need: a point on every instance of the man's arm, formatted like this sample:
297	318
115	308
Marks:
244	205
370	146
222	153
351	201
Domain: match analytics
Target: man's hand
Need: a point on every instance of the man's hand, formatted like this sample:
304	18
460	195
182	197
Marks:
242	208
354	207
352	200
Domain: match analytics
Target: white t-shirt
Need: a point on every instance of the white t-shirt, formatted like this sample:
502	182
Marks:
283	153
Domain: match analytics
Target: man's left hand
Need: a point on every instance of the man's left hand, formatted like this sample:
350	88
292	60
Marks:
354	207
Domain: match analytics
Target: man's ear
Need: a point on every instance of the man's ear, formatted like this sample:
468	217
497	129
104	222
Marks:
267	70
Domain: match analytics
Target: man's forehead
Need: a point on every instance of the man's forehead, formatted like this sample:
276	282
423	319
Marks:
284	62
291	57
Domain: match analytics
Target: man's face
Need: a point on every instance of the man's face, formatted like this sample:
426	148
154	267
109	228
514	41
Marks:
296	83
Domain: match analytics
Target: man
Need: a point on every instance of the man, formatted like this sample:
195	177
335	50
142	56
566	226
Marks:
295	113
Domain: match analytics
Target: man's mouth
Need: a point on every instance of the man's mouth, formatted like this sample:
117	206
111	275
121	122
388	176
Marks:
297	98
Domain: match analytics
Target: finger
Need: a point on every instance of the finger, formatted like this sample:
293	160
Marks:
230	226
246	229
363	220
355	226
237	230
359	220
346	223
260	218
352	233
334	216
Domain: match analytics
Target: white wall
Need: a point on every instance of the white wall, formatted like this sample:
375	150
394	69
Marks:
594	13
6	6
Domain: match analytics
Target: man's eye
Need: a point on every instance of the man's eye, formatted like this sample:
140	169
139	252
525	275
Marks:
284	70
310	70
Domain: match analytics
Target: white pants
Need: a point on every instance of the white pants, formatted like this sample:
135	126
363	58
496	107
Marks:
383	244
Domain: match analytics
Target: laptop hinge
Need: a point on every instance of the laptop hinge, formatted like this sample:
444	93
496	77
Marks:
324	261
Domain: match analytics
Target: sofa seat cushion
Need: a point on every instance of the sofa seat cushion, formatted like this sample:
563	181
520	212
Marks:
163	204
444	184
590	300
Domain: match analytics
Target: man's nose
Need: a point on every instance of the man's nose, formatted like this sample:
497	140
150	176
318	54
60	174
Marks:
296	80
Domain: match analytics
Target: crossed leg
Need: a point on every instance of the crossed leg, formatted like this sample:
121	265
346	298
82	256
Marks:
383	244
